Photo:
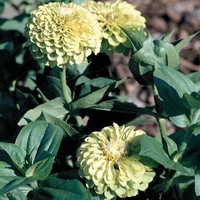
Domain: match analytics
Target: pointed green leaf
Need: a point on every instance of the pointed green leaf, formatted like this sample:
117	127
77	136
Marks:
172	85
53	87
39	137
6	170
55	107
15	152
166	54
190	101
171	145
68	129
195	129
95	96
136	38
179	44
86	86
152	148
142	63
41	169
168	37
12	183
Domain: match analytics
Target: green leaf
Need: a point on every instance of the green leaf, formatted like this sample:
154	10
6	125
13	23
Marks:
6	169
12	183
14	24
41	169
15	152
117	106
17	194
195	129
55	107
95	96
179	44
37	138
56	188
141	64
53	87
136	38
172	85
180	120
171	145
75	70
87	85
190	101
176	80
166	54
152	148
168	37
195	78
69	130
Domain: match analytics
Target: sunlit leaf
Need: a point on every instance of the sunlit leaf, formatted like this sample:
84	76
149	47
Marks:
55	107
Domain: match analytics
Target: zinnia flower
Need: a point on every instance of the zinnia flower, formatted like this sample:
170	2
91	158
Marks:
109	161
60	34
111	17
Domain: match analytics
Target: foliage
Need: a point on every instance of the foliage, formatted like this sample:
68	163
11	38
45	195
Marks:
44	116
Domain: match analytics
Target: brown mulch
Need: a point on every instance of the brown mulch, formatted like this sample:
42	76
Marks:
163	17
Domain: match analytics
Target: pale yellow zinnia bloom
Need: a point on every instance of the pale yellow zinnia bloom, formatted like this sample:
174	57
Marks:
109	161
59	34
111	17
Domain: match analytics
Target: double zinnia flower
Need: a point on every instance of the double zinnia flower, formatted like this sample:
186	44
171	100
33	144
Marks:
113	16
109	161
60	34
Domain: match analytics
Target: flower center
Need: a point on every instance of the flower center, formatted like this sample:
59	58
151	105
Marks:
116	149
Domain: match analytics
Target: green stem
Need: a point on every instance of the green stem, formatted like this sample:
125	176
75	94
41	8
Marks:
64	84
161	121
68	97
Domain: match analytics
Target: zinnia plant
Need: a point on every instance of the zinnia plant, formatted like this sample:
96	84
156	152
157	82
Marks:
61	34
66	132
109	160
112	16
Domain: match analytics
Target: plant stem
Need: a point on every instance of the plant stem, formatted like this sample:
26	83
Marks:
161	121
68	97
64	84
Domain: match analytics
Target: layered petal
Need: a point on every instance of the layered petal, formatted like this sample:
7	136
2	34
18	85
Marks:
109	161
111	17
59	34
